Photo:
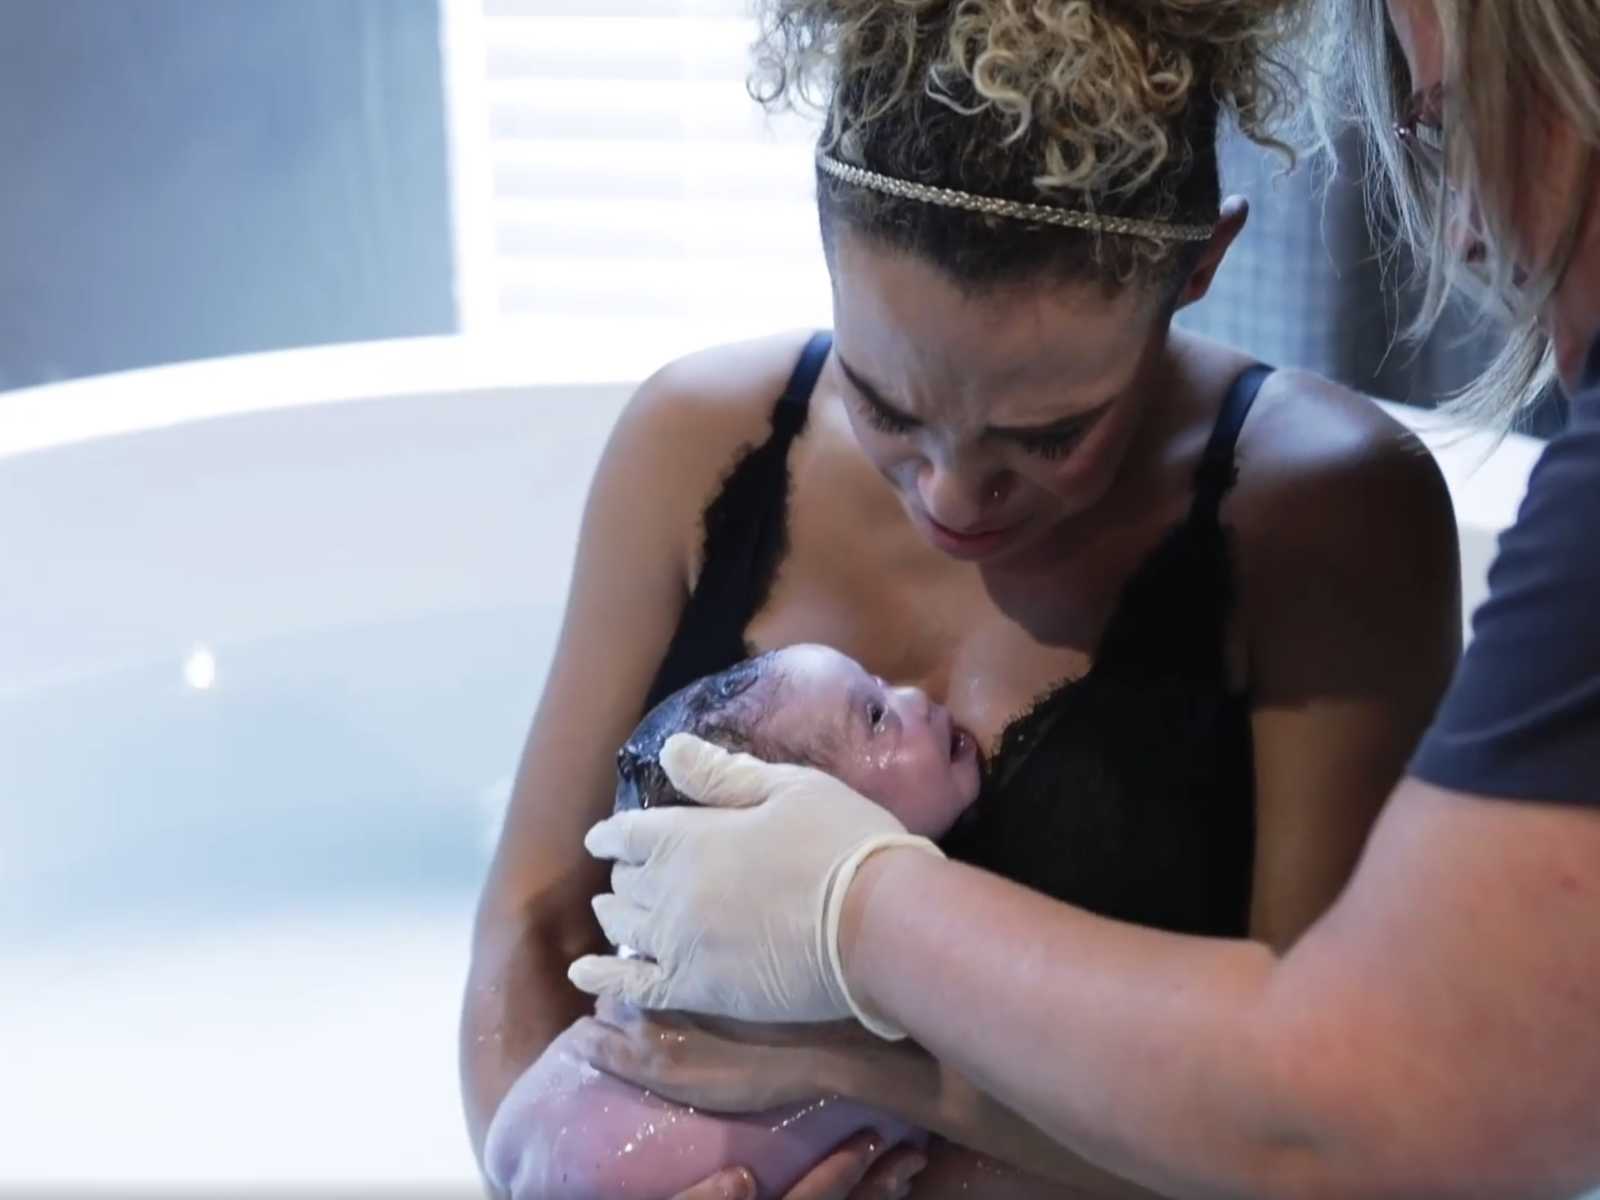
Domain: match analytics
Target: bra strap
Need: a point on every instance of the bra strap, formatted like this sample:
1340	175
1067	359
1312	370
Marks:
1218	468
790	414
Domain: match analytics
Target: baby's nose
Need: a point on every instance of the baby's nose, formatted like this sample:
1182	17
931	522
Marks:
915	700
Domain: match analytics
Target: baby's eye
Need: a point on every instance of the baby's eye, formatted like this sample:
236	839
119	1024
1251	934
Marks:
876	713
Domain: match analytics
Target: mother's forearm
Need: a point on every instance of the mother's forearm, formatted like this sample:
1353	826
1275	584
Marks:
1146	1065
517	1001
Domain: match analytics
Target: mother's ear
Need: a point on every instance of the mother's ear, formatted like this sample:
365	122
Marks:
1230	223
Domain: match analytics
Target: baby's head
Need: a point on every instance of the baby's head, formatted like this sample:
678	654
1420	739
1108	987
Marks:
816	707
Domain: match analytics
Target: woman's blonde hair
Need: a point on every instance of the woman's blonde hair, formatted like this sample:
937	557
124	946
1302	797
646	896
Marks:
1506	62
1107	106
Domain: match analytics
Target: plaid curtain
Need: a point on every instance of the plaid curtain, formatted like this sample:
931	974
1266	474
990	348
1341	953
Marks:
1303	287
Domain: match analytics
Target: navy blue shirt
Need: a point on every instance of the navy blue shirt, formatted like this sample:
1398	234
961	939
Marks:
1522	719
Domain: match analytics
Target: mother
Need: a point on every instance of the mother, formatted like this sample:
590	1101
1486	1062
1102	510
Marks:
1197	610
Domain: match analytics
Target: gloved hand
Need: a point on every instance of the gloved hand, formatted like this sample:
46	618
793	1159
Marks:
739	910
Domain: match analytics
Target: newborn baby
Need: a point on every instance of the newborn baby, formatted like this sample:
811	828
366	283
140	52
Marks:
567	1130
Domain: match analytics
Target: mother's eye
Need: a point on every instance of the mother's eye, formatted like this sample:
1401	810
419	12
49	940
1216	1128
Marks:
884	420
1050	446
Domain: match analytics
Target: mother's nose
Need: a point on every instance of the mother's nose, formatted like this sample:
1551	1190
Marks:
958	499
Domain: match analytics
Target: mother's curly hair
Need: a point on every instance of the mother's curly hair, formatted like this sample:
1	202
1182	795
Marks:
1110	106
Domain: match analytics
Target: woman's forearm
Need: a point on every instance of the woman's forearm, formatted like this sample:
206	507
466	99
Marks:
517	1001
1147	1042
903	1079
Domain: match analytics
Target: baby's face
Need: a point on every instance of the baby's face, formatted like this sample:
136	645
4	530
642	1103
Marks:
893	745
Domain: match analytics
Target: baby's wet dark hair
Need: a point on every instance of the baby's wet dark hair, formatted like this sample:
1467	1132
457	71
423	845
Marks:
727	709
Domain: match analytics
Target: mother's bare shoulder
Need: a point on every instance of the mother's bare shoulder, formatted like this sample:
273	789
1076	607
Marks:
707	404
687	425
1324	469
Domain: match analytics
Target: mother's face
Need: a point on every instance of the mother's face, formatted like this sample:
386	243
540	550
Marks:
996	416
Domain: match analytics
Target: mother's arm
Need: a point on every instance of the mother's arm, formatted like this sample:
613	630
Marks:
636	556
1351	613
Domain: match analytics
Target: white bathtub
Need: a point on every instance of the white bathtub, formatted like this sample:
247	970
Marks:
263	679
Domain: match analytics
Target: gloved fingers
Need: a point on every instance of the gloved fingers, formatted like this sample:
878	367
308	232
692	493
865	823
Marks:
632	837
633	981
716	777
625	923
637	885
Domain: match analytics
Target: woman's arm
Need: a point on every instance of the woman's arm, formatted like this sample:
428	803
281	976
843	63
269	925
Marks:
1351	613
990	1148
1383	1056
1431	1036
636	557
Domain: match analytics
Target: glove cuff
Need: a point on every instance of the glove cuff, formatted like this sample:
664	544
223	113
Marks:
833	909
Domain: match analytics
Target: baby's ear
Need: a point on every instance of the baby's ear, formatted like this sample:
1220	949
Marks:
641	783
659	792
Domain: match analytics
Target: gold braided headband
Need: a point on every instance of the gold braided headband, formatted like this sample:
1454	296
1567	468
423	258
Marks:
1162	231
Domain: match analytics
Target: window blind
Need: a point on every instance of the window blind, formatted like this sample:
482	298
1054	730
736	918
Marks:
615	177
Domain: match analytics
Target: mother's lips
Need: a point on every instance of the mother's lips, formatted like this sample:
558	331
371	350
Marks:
969	534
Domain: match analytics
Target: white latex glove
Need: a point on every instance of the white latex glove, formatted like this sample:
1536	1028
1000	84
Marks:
738	909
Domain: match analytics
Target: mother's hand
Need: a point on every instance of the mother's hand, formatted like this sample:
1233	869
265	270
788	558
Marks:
864	1168
721	1070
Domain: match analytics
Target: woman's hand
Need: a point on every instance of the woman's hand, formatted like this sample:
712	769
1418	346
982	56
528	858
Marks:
787	841
864	1168
723	1069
